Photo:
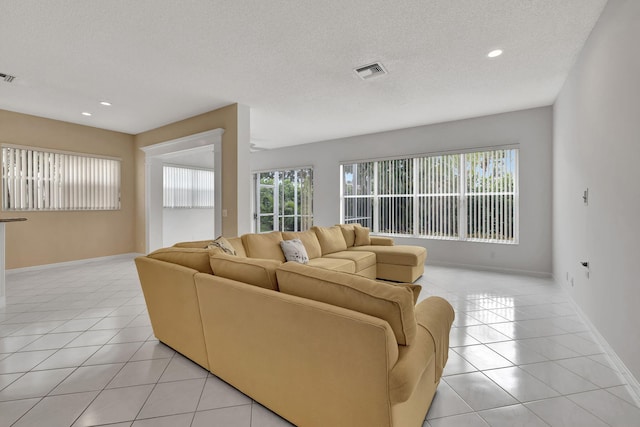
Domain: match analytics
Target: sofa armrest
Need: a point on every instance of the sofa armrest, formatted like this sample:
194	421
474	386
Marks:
381	241
170	294
436	316
201	244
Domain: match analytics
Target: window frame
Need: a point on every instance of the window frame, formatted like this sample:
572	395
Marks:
462	194
276	213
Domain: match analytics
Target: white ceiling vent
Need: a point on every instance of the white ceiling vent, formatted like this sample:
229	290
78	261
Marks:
7	77
370	71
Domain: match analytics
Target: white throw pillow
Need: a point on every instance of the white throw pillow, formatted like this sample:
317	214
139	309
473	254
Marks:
294	251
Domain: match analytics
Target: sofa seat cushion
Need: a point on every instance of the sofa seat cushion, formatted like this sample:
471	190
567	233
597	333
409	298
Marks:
362	259
195	258
331	239
335	264
398	255
254	271
309	240
394	304
265	246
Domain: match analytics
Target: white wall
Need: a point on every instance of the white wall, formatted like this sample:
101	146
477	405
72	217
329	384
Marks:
183	225
243	170
597	145
531	129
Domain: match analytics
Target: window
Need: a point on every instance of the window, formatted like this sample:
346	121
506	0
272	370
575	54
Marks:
465	196
188	188
41	180
284	200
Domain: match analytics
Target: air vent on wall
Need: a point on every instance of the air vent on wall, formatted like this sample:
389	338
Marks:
7	77
370	71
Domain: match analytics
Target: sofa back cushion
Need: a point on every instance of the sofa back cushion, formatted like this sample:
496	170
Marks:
236	242
362	236
265	246
388	302
309	240
349	233
254	271
196	258
331	239
415	290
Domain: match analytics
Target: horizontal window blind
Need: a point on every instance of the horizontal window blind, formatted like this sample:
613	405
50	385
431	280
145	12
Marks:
34	180
188	187
465	196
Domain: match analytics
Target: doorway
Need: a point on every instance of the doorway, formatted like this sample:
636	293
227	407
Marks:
205	145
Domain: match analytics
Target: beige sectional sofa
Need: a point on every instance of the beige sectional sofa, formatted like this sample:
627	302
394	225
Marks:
336	248
319	346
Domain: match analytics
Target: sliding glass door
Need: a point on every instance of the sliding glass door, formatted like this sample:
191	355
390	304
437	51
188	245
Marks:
284	200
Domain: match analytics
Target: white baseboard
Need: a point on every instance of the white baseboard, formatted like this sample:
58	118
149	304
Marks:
70	263
616	362
486	268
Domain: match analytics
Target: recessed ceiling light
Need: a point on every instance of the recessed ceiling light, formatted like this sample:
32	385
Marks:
105	103
84	113
495	53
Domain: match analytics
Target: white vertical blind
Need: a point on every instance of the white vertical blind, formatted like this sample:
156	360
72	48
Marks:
35	180
492	193
438	196
188	188
359	183
466	196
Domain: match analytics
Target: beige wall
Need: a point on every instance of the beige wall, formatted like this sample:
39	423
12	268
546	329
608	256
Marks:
225	118
51	237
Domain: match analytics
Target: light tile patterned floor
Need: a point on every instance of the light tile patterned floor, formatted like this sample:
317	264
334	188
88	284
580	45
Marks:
76	349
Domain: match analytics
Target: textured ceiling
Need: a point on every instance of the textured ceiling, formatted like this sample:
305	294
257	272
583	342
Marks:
291	61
